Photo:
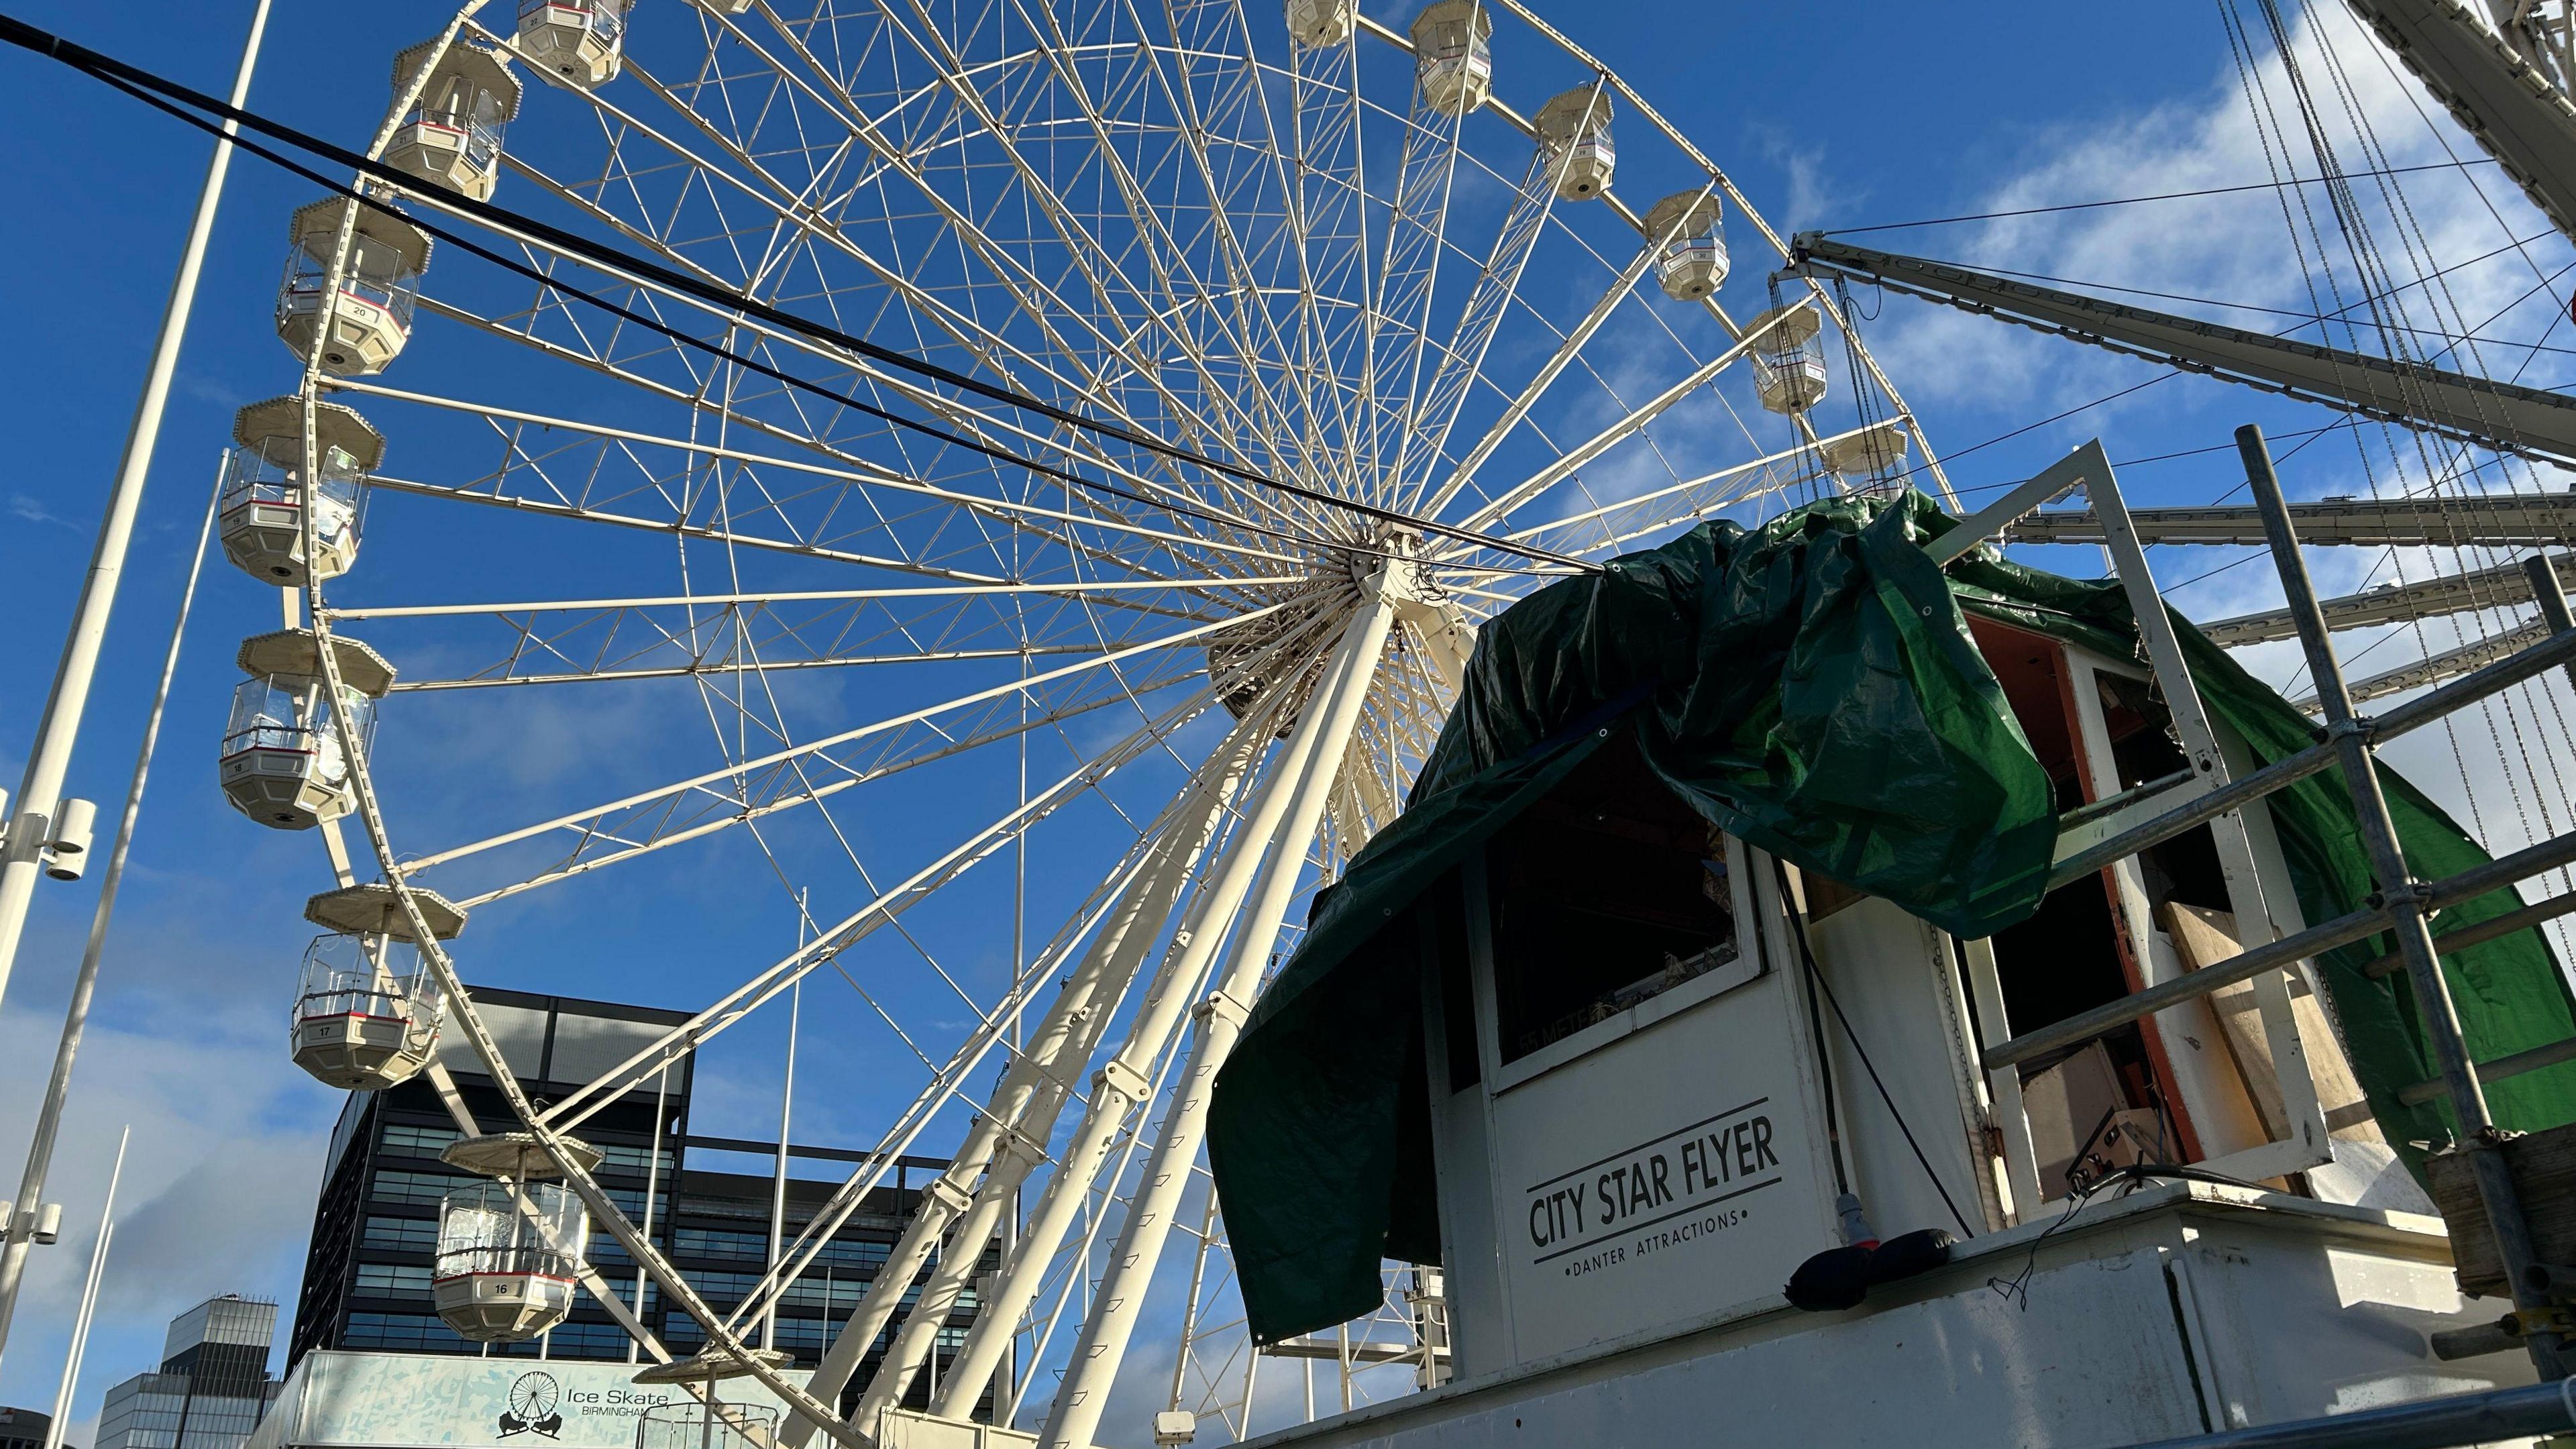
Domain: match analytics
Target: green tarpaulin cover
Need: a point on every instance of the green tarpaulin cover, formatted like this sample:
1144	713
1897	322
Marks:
1810	687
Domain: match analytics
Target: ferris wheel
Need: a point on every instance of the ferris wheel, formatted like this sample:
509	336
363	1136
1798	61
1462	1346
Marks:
1128	412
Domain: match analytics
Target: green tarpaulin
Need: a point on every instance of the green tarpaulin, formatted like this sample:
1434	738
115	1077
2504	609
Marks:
1810	687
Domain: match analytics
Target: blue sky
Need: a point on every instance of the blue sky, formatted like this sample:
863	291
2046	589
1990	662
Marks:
1889	113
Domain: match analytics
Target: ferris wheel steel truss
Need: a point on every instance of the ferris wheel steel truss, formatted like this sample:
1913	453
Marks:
1333	639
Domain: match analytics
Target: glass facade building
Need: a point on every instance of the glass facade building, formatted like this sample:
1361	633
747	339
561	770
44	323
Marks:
212	1386
367	1271
24	1428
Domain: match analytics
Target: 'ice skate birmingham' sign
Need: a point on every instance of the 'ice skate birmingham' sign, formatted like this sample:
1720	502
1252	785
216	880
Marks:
342	1400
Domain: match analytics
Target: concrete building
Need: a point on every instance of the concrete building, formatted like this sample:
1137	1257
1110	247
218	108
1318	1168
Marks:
212	1386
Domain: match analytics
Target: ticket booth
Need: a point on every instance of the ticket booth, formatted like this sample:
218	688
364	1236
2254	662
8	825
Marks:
1643	1111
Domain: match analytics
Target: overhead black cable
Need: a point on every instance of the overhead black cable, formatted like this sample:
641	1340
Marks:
718	350
153	88
1807	954
2164	196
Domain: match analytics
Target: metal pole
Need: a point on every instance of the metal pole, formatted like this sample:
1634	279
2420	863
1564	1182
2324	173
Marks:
1093	1367
2543	573
79	1345
2433	1006
49	759
2542	570
786	1109
49	1117
2451	1422
652	1189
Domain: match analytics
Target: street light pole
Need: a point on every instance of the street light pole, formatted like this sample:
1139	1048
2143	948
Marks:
49	760
18	1237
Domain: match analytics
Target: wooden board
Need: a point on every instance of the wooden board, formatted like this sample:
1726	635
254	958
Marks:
2544	1175
2204	937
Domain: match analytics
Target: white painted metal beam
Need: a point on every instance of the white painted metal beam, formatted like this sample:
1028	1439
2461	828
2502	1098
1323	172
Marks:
2503	586
2502	415
2488	520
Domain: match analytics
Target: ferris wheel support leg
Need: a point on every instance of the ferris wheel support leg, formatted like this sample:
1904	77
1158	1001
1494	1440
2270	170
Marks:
1019	1103
1052	1076
1055	1076
1094	1364
1123	1082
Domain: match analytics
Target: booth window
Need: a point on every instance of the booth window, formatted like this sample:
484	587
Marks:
1606	893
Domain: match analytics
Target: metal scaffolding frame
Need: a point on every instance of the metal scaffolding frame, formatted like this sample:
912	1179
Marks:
2121	828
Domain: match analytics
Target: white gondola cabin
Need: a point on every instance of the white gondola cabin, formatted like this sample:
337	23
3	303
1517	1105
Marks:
509	1259
451	137
283	761
1868	454
262	517
1453	46
1789	358
1693	262
367	1014
1575	130
363	328
1315	24
583	42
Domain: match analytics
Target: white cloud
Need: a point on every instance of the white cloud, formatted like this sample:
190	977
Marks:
219	1180
2234	247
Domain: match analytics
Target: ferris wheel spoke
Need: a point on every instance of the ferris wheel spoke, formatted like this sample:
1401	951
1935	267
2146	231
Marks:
1621	288
1435	407
1326	236
752	178
1229	34
608	640
1179	282
1582	454
666	797
1034	300
988	428
1185	551
1400	307
773	336
738	1003
746	794
1609	524
1008	361
1119	330
1620	531
792	787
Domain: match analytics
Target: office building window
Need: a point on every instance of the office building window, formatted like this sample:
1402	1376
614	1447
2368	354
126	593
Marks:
587	1340
405	1235
618	1157
418	1332
391	1280
717	1243
631	1203
418	1141
422	1188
